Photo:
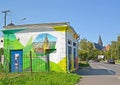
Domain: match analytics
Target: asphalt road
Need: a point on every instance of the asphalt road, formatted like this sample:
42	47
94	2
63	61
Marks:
100	74
114	68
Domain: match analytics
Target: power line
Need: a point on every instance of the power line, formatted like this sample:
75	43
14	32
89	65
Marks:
5	13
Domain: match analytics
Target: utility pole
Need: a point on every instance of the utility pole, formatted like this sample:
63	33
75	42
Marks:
5	13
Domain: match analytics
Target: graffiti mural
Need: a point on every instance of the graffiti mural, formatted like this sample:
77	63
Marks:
44	43
46	48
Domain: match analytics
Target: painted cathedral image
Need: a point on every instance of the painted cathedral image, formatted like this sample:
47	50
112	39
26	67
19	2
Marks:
41	46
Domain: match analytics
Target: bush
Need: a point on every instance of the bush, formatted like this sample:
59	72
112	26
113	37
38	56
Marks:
83	64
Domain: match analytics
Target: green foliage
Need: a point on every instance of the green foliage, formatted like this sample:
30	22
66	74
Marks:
83	64
82	54
107	54
85	51
115	49
117	61
40	78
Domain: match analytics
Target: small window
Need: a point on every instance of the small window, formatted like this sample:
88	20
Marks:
74	44
69	41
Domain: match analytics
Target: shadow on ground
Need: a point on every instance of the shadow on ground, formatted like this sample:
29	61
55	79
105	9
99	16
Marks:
88	71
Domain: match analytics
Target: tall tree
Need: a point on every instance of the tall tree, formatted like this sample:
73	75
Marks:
118	47
114	49
85	49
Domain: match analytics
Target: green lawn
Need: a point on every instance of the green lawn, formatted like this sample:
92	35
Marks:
117	61
39	78
83	64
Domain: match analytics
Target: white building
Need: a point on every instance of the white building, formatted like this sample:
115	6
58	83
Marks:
53	46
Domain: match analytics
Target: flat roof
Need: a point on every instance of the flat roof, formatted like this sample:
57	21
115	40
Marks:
41	25
37	25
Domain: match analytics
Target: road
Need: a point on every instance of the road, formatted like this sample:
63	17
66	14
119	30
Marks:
111	68
100	73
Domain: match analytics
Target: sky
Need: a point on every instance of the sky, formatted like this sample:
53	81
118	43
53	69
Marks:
89	18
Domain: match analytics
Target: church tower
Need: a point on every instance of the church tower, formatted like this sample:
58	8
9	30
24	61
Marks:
100	41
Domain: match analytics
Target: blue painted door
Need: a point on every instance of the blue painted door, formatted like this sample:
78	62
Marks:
16	61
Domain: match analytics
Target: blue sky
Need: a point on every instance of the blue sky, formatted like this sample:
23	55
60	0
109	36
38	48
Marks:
89	18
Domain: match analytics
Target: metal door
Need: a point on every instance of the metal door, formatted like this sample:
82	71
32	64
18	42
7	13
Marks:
16	60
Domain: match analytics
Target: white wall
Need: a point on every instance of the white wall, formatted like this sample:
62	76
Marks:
60	52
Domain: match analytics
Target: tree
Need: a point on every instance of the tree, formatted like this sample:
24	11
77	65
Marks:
85	49
107	54
113	50
118	47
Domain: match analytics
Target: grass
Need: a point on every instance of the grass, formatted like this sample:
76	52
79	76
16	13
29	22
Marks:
39	78
117	61
83	64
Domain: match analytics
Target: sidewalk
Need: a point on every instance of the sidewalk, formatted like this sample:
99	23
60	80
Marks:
99	80
93	77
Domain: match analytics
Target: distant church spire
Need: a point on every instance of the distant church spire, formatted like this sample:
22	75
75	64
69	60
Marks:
100	41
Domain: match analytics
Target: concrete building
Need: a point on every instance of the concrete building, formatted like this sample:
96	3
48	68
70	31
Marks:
41	47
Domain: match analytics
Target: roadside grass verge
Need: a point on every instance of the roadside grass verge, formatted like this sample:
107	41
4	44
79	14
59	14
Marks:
117	61
39	78
83	64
